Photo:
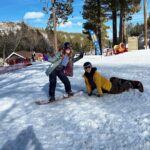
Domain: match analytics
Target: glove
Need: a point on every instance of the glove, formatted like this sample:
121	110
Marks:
90	94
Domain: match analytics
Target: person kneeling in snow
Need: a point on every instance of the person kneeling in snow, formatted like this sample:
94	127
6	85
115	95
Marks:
94	80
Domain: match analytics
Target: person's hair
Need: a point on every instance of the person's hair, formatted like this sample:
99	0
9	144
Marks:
67	45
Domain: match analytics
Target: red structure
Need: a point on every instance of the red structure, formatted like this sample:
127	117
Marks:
19	57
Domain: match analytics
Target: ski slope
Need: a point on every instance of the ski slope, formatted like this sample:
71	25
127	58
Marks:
111	122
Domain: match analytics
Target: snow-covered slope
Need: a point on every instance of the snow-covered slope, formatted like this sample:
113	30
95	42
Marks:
111	122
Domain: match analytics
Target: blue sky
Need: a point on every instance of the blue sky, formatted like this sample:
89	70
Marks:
31	12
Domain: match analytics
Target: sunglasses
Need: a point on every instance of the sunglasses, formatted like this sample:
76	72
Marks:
87	67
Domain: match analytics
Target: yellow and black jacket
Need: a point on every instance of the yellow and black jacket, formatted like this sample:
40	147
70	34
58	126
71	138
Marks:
95	80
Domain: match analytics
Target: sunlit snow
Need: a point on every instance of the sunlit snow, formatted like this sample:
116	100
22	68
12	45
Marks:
111	122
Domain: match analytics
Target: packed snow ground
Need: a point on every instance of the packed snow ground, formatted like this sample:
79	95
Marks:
111	122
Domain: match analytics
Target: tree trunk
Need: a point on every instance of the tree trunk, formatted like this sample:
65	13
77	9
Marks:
99	27
145	23
121	27
114	16
54	25
124	28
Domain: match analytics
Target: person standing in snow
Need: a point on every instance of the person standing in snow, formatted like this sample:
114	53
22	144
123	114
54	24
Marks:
59	63
33	56
94	80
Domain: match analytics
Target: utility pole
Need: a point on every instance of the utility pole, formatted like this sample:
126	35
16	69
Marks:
114	16
124	28
145	23
54	25
99	27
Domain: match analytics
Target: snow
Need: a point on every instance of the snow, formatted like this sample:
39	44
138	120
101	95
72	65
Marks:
111	122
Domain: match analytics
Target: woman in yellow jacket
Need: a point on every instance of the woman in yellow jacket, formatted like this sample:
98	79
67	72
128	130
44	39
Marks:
94	80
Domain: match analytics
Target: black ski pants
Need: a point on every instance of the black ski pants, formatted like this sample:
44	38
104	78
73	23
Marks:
58	71
120	85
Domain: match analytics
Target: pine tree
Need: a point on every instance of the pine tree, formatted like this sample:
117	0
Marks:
58	11
94	14
127	8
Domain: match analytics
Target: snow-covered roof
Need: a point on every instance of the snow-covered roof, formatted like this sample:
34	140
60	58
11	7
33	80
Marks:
14	53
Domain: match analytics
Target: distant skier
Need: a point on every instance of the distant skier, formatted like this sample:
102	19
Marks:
94	80
61	66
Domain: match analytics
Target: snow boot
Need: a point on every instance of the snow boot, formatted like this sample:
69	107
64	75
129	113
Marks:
52	99
137	85
68	94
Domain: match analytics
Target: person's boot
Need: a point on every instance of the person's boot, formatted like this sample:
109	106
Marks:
140	87
51	99
137	85
68	94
